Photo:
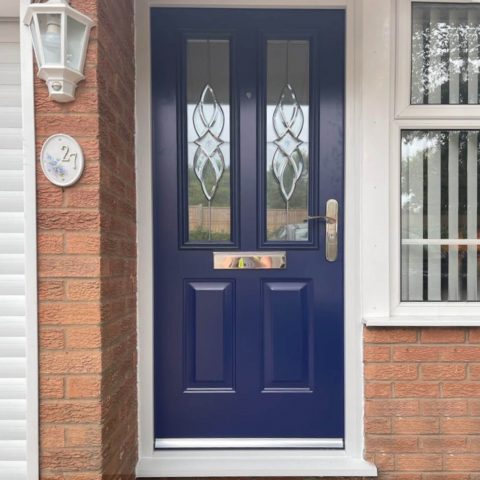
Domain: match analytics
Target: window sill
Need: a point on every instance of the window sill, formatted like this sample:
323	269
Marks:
424	321
253	463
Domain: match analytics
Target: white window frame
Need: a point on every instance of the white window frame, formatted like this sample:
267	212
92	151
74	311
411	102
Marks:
382	301
403	108
253	462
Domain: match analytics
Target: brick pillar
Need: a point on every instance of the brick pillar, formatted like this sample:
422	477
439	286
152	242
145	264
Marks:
87	265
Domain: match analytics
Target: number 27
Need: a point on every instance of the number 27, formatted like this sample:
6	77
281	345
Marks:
69	156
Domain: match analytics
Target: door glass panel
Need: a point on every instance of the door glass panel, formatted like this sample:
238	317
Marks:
287	128
445	53
208	136
440	215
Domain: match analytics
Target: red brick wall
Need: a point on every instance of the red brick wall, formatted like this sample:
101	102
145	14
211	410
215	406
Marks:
422	406
118	240
87	262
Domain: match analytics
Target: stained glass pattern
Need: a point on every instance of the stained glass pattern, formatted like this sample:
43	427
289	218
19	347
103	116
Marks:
208	169
287	128
208	162
288	161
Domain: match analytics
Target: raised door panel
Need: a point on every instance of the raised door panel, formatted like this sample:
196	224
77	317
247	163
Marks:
288	330
209	320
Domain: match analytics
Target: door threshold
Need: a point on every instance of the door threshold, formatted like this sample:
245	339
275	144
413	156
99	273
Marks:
246	443
253	463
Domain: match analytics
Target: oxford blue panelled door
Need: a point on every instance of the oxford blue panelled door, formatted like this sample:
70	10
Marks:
248	155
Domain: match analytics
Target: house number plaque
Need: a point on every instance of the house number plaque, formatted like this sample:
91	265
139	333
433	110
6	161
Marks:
62	160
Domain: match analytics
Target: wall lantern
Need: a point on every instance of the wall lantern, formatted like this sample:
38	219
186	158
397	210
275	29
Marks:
60	38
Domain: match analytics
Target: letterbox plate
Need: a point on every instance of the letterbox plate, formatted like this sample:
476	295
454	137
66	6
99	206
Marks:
249	260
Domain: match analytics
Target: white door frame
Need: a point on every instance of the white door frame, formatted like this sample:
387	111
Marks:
252	462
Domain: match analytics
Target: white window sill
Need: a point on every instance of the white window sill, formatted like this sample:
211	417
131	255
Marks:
253	463
424	321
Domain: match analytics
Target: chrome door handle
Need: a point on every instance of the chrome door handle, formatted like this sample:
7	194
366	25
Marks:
331	228
320	217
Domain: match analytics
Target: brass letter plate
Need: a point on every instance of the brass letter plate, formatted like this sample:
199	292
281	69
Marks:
249	260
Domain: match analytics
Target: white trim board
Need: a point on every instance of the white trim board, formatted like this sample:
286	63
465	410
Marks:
29	159
253	463
425	321
289	462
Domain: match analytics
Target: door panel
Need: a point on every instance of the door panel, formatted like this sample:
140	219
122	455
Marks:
209	335
248	140
288	329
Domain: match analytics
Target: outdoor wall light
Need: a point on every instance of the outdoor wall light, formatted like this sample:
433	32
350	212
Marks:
60	38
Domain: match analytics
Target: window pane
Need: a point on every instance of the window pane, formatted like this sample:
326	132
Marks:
208	113
287	115
445	53
440	217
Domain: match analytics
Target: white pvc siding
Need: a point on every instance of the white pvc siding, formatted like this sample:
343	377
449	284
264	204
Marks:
12	262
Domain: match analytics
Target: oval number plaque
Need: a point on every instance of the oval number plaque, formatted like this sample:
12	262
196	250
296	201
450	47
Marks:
62	160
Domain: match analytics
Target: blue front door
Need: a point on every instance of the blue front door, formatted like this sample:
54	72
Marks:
248	142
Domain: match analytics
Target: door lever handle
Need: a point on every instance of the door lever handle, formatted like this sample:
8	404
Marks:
331	229
320	217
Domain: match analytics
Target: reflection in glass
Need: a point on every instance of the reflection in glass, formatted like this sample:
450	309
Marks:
287	139
445	53
74	37
208	135
440	195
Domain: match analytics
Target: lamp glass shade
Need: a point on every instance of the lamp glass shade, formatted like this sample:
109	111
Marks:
76	33
51	37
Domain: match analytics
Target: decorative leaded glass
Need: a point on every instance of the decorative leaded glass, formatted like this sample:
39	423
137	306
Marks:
208	134
287	139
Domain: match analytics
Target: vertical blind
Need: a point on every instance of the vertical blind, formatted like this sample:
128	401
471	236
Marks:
445	53
440	194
